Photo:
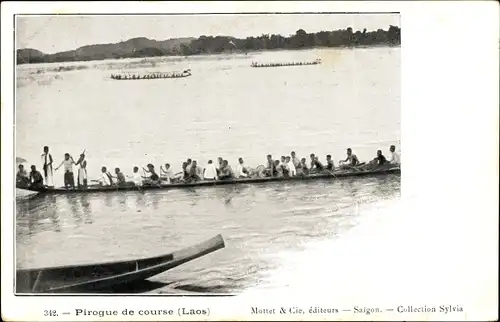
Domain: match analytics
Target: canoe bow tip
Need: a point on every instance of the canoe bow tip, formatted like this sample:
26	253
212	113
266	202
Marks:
221	239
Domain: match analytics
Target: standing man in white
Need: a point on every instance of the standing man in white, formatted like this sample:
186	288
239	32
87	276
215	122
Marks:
47	167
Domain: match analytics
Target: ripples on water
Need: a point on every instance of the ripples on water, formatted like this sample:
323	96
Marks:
225	109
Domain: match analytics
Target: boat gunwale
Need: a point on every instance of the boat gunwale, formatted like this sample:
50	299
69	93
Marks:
150	78
208	183
218	239
215	243
293	65
169	265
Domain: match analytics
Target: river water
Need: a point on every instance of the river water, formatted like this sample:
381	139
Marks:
225	109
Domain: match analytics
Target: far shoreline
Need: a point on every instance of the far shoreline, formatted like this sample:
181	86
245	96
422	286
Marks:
239	53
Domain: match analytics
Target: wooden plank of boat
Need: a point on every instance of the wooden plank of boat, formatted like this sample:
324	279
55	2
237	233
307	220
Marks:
331	175
92	277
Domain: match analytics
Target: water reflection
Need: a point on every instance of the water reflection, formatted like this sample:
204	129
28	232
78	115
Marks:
349	187
75	208
226	194
108	199
52	211
155	200
78	207
388	185
140	201
86	208
257	220
122	202
36	215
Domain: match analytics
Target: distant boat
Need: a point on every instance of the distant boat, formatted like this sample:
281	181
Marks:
153	75
93	277
307	63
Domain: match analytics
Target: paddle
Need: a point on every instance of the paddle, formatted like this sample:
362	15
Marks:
110	186
138	188
144	173
350	167
96	181
157	184
136	185
330	173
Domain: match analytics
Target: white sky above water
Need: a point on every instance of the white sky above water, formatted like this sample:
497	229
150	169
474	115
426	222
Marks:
51	34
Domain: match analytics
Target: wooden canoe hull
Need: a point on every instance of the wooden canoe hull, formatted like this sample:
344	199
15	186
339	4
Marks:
307	63
285	65
93	277
327	176
164	77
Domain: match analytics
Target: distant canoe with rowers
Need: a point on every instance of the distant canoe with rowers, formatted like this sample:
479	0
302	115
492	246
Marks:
337	174
307	63
89	278
151	75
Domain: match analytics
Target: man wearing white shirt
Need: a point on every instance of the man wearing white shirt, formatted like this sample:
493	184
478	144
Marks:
396	158
241	172
105	178
169	174
295	160
291	167
69	179
136	177
282	161
210	173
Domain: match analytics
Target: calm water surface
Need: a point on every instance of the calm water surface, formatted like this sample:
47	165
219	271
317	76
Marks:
225	109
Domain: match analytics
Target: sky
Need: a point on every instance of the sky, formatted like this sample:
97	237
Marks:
51	34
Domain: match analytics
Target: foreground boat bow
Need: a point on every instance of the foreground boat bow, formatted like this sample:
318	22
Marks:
93	277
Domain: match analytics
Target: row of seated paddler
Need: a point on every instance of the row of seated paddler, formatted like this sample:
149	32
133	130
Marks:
185	73
285	64
286	166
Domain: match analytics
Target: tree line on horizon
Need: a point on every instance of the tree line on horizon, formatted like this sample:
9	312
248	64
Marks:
143	47
300	40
